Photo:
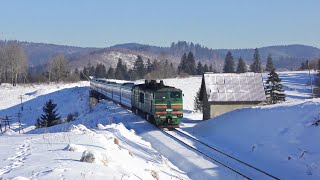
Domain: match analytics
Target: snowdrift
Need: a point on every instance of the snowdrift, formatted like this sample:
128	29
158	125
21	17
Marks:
278	138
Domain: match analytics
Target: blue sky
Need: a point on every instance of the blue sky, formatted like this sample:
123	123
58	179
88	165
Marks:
213	23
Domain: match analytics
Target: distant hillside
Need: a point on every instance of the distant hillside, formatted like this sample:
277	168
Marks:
109	57
285	57
40	53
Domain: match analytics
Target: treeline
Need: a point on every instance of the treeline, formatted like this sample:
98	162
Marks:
200	52
13	63
140	70
306	65
242	67
57	70
188	66
14	67
147	70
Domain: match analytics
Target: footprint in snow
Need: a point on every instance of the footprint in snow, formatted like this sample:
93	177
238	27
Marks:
18	159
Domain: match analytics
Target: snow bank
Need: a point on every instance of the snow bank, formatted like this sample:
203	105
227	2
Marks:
100	126
20	178
93	156
70	99
80	129
276	138
75	148
9	132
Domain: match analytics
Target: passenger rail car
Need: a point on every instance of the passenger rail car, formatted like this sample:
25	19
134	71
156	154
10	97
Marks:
160	104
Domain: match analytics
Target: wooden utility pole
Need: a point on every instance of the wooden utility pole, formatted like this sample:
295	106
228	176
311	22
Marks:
19	115
21	103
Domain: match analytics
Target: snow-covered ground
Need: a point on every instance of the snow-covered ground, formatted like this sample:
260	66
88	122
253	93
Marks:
55	152
277	138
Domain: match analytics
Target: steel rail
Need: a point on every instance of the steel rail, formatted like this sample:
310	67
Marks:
236	159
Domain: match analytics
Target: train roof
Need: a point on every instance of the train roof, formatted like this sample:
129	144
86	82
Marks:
124	84
153	85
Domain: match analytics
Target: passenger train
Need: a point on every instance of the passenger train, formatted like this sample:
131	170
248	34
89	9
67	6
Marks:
162	105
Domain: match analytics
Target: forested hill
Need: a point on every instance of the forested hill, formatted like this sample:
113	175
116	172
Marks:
40	53
287	57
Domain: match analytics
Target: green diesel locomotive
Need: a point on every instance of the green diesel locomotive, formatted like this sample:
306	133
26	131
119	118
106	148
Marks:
162	105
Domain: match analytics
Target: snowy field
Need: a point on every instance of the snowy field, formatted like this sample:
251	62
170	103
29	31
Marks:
278	139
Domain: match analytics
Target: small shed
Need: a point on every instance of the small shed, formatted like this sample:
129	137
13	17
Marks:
224	92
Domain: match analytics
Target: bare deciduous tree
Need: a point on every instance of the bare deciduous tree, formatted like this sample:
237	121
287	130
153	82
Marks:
58	68
13	63
161	70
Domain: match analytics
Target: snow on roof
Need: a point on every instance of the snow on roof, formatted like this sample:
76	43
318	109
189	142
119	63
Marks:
226	87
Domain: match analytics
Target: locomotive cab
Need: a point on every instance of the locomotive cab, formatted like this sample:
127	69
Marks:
168	107
160	104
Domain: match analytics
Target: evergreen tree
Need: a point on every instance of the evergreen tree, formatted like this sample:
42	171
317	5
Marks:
110	73
100	71
76	71
50	116
191	64
187	64
92	71
200	68
206	69
119	70
242	67
132	75
256	65
171	66
198	105
304	65
210	68
228	63
269	66
84	74
40	123
274	89
155	65
183	64
138	68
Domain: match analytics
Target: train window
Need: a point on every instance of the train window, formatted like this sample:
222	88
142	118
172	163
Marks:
175	95
141	97
161	95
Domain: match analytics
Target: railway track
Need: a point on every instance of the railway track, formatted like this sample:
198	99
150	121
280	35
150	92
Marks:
234	164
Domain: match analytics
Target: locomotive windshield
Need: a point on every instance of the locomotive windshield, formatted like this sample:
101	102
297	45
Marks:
175	95
161	95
